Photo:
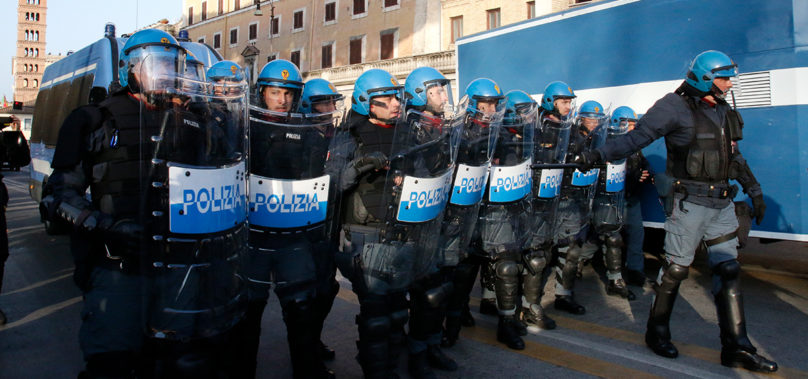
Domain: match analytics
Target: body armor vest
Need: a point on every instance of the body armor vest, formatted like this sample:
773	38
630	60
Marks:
371	138
121	151
706	157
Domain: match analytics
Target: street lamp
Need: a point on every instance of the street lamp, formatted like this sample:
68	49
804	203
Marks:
257	8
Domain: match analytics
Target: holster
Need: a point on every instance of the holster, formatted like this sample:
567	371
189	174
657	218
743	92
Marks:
744	214
664	186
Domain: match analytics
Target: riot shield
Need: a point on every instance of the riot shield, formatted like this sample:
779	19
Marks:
608	209
419	183
578	188
551	141
478	135
505	217
194	208
289	189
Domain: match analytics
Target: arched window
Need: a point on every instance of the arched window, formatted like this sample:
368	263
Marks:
37	16
36	35
36	83
26	51
26	35
26	16
36	68
25	83
37	53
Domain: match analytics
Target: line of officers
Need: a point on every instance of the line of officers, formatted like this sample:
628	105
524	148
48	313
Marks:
205	195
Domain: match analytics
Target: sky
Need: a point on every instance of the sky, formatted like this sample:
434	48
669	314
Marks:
73	24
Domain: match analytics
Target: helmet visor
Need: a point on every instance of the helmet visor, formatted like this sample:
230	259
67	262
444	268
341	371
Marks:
157	69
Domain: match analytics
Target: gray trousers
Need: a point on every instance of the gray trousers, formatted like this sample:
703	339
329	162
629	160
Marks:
686	229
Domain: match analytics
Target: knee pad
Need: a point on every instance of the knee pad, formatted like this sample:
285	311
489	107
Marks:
728	270
573	253
536	261
399	318
506	269
677	272
436	296
614	240
373	328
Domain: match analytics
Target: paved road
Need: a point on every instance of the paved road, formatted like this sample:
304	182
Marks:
43	305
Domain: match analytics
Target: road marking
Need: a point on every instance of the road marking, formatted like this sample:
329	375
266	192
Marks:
40	313
38	284
538	351
693	351
561	357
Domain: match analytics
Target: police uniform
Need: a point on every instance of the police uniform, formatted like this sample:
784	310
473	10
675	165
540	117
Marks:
701	160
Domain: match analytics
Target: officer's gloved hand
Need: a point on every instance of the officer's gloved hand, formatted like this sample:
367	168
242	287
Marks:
124	237
372	161
759	208
587	160
362	165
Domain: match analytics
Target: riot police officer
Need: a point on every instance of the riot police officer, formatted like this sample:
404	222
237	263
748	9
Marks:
288	216
483	103
505	214
573	207
429	106
549	147
608	210
146	201
358	157
323	107
700	131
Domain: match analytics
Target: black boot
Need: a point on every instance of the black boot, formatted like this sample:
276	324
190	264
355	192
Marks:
488	307
452	331
466	319
737	350
304	342
418	367
535	316
508	334
327	353
439	360
658	333
567	303
635	278
618	287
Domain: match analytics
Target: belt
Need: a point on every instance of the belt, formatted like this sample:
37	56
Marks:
693	188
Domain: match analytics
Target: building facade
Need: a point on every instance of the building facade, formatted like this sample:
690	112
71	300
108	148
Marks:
339	39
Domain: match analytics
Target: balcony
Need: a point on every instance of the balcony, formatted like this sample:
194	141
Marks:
443	61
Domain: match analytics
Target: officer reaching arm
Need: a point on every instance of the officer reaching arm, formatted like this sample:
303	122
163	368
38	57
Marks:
700	130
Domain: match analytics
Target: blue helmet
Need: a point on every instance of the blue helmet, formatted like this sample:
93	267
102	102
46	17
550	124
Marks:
317	90
150	42
591	108
373	82
618	122
225	70
280	73
554	91
483	89
707	66
418	81
519	104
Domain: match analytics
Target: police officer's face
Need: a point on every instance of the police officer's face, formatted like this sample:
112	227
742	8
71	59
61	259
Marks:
590	123
563	105
278	99
385	107
723	84
631	125
326	106
487	107
436	98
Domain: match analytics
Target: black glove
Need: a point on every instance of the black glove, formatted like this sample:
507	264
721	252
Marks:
124	237
360	166
758	208
372	161
586	160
